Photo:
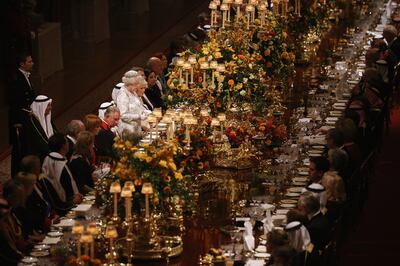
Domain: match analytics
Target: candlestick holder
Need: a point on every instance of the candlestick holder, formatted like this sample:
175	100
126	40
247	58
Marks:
112	255
77	231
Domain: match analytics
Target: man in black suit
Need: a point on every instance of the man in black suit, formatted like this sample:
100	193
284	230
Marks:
21	95
318	225
104	140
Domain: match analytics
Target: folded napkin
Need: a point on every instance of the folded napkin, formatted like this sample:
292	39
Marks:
51	240
248	238
252	262
66	223
82	207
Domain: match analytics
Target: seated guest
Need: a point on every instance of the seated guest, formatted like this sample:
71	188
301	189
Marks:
57	172
157	66
31	221
318	191
284	256
335	195
104	141
318	166
129	101
39	208
318	225
338	161
92	124
334	138
153	92
9	236
349	130
45	194
298	235
13	193
38	127
296	215
102	109
164	62
276	238
116	90
73	129
81	168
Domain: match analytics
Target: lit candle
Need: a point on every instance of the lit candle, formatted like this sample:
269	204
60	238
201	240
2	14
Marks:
86	239
262	8
213	7
221	68
93	230
179	63
158	114
238	4
147	190
284	8
77	230
204	66
213	66
214	123
152	119
229	2
187	67
192	60
297	8
224	9
275	7
111	233
127	194
168	120
222	118
249	9
115	188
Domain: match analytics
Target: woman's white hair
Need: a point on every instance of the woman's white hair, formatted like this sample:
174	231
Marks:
133	77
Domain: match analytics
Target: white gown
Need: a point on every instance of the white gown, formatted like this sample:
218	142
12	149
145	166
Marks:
133	113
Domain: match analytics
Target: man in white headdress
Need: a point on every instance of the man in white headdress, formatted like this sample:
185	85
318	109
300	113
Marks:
116	90
56	170
38	127
299	237
102	109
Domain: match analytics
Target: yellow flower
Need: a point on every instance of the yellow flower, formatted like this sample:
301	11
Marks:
284	35
178	175
239	86
218	55
156	201
204	50
234	57
202	59
163	163
285	55
221	78
172	166
149	159
140	155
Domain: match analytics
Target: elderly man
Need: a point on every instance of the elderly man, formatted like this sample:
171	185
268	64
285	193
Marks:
318	225
104	141
73	129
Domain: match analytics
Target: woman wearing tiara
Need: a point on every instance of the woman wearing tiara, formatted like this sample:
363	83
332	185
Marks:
129	101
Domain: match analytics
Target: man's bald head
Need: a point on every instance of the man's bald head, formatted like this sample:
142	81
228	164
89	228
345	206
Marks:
155	64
